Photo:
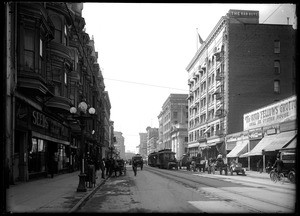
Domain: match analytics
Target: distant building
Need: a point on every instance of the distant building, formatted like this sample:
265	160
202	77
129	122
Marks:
152	138
179	135
174	111
129	155
119	144
143	145
241	66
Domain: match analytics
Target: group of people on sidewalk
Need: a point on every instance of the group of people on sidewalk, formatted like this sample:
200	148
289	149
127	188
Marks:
111	165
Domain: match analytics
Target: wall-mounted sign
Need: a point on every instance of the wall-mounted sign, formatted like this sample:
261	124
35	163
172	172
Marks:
52	127
243	13
255	133
275	113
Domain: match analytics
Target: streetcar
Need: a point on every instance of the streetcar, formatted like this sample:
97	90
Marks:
164	159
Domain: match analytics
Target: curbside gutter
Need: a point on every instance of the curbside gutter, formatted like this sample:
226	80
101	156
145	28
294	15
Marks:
87	197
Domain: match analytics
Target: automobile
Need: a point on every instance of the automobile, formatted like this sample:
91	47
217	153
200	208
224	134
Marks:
237	168
289	160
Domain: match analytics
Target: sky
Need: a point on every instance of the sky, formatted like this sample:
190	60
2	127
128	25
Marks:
144	49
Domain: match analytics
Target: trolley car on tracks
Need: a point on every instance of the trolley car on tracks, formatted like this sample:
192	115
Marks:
164	159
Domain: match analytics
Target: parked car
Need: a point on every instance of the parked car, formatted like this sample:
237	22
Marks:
289	161
237	168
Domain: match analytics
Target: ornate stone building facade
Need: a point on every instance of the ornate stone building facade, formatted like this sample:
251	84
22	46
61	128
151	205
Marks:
52	66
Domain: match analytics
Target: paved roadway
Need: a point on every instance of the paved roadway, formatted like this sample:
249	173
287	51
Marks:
156	190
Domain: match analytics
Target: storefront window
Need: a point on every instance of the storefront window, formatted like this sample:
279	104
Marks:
36	159
62	158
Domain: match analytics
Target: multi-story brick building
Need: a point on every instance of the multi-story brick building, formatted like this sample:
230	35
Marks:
174	111
52	66
242	65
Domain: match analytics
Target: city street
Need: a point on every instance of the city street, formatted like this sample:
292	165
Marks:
158	190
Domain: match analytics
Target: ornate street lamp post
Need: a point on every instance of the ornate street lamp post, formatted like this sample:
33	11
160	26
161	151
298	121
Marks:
82	108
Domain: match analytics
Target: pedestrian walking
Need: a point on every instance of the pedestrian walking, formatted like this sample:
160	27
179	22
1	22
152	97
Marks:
107	166
111	166
102	167
134	166
259	166
269	166
51	165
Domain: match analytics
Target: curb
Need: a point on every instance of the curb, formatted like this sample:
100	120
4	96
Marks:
86	197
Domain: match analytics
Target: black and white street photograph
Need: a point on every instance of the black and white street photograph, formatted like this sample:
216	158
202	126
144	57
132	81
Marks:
147	107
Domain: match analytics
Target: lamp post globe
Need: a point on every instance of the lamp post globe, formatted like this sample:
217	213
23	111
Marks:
73	110
82	106
92	110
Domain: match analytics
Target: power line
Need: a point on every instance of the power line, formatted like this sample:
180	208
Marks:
146	84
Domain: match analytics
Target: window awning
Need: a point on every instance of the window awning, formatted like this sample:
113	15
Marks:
213	144
244	155
193	145
281	140
271	143
204	145
257	150
291	145
240	148
230	145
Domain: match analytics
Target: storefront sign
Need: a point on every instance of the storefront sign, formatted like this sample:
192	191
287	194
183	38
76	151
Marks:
282	111
236	136
243	13
39	119
255	133
51	126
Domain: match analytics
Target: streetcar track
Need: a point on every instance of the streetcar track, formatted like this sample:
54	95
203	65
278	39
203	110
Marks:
221	189
264	185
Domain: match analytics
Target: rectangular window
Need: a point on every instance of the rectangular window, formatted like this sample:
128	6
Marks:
29	49
175	114
277	67
276	86
65	35
41	48
41	145
65	78
276	46
41	60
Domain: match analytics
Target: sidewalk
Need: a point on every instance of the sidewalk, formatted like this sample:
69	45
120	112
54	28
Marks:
255	174
58	194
